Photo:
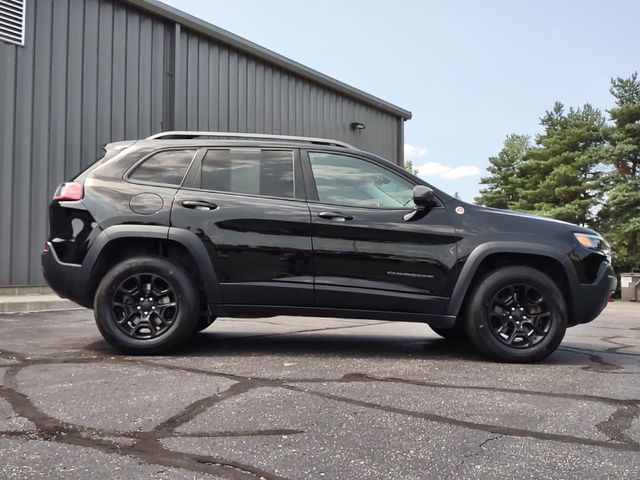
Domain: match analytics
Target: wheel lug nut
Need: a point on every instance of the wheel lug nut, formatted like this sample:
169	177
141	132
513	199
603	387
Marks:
153	308
138	307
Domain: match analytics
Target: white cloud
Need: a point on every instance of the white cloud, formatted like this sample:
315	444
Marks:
411	151
432	170
462	171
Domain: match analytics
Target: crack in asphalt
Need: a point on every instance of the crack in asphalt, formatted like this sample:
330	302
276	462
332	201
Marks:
479	451
148	445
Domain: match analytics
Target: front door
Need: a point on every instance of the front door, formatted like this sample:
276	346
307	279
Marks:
366	256
248	207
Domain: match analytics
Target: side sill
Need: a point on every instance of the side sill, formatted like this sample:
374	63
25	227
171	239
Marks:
233	310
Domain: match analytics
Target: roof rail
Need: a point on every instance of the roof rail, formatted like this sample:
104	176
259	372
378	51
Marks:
185	135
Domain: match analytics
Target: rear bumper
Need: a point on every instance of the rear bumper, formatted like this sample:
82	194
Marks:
589	300
65	278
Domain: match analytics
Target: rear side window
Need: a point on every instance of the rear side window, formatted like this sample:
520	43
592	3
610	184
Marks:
251	171
167	167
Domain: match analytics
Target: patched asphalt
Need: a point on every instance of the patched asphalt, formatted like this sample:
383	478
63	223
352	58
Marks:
306	398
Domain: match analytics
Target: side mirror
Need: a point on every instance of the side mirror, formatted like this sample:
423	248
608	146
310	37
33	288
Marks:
423	197
424	200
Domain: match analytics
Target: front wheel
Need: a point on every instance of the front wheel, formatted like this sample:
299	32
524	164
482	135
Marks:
516	314
146	305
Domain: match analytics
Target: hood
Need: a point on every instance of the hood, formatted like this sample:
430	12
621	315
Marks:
507	220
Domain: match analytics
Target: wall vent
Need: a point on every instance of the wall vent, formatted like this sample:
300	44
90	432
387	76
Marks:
12	15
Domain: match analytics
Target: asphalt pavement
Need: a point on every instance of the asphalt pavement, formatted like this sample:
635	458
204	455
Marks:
312	398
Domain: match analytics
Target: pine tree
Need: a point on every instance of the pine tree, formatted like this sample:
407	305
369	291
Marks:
559	177
408	166
620	214
503	169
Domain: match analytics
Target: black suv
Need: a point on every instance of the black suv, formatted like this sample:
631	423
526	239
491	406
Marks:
163	235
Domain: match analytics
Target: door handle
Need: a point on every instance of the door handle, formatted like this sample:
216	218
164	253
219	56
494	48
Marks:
199	205
335	216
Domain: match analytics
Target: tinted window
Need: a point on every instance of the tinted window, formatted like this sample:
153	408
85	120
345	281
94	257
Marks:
346	180
252	171
169	166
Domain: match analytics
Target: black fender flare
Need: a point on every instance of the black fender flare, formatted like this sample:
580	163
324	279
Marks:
187	239
481	252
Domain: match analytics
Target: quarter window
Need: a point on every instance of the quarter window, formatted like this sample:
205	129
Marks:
167	167
250	171
346	180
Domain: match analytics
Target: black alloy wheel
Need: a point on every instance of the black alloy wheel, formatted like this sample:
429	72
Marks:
519	316
516	314
144	306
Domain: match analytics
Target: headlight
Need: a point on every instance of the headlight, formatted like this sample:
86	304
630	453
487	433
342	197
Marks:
594	242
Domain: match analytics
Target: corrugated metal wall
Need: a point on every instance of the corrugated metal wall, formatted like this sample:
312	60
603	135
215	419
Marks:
97	71
226	90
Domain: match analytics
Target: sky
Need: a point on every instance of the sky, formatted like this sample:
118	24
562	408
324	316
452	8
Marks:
471	72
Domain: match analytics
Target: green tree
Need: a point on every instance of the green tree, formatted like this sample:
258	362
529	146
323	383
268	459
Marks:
408	166
619	217
503	172
559	177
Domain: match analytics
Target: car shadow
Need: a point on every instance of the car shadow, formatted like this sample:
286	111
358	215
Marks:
353	345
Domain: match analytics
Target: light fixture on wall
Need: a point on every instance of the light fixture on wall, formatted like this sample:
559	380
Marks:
358	126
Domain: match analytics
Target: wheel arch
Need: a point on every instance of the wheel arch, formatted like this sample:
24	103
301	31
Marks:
487	257
119	242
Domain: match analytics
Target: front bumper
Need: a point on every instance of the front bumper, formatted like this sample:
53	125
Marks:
589	300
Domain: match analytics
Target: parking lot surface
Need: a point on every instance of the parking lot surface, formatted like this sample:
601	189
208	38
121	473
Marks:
303	398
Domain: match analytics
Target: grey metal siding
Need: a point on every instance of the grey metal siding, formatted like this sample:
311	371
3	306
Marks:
90	72
97	71
227	90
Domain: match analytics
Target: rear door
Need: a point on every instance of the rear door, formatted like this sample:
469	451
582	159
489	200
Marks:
366	256
248	207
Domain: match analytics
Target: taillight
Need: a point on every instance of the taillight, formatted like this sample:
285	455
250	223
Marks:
69	191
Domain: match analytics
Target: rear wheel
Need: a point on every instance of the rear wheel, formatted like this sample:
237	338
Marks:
146	305
516	314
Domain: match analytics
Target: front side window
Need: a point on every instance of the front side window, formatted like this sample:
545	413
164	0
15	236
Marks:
250	171
346	180
167	167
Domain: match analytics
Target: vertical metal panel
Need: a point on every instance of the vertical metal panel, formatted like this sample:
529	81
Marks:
74	90
232	92
22	150
90	52
203	83
251	95
145	59
223	89
105	55
242	93
131	75
40	155
159	73
7	128
259	97
267	96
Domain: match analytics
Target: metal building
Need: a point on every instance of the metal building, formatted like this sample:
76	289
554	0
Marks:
76	74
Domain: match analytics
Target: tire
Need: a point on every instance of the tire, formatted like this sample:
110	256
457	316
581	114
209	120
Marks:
452	334
171	304
204	322
520	304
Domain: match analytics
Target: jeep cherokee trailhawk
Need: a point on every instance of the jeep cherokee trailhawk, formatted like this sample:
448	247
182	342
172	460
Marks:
163	235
